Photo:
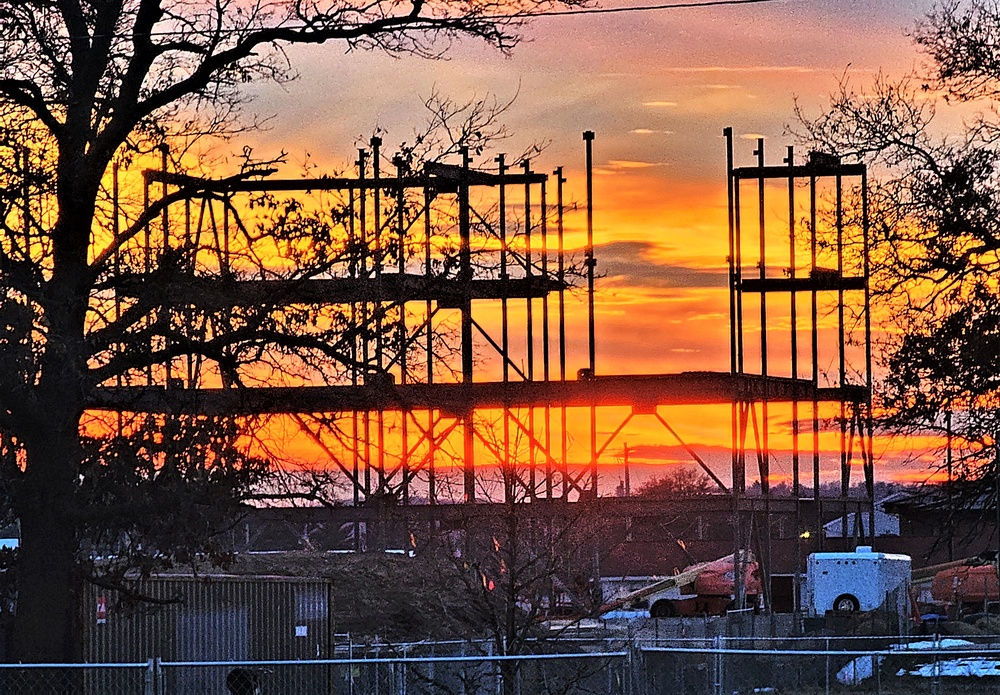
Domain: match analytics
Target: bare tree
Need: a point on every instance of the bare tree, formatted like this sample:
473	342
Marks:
83	82
678	482
516	569
935	232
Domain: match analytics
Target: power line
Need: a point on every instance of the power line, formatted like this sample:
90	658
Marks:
694	4
634	8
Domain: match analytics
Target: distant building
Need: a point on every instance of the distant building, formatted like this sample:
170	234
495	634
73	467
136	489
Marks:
858	524
938	524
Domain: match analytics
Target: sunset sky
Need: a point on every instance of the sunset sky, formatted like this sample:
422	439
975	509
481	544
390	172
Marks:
657	88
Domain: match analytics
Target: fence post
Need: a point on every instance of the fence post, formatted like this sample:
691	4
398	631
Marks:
461	671
402	673
149	682
826	678
153	680
495	667
935	679
719	676
629	667
877	670
351	665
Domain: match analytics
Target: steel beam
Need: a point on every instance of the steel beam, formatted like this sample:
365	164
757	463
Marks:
219	293
642	392
803	170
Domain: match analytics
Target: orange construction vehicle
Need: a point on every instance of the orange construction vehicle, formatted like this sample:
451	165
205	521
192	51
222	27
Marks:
707	588
969	587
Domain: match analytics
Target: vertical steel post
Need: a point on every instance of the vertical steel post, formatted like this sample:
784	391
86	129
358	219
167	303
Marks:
591	262
529	329
147	264
352	271
376	144
740	468
561	276
814	357
465	273
869	424
731	259
363	329
528	302
845	462
401	335
546	374
504	308
165	217
401	332
793	317
504	312
429	309
189	314
502	209
116	231
764	458
588	138
736	363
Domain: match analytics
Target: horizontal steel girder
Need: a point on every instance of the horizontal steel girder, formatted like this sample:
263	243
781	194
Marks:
641	392
602	507
800	171
215	293
441	178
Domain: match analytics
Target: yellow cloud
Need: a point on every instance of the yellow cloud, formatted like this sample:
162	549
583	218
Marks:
629	164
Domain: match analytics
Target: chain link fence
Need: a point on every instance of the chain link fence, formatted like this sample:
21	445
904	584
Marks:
716	666
46	679
566	674
819	666
578	674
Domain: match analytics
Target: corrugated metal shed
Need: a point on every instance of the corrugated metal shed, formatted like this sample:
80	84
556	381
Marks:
210	618
216	616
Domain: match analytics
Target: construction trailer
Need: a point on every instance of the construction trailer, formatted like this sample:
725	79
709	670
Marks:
858	581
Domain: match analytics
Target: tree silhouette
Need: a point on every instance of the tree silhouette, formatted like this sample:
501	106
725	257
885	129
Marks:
676	483
84	84
935	233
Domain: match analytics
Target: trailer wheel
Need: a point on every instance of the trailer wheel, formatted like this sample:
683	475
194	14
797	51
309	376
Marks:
846	603
664	608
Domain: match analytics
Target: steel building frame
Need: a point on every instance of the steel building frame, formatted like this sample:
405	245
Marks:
750	288
396	381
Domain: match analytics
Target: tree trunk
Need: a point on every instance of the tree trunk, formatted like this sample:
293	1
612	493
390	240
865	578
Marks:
45	625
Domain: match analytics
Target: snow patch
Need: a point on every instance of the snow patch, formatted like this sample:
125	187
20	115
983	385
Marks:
863	667
858	670
973	666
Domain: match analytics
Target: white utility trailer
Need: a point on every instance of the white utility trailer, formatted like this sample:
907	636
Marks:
858	581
